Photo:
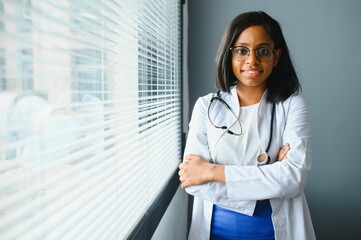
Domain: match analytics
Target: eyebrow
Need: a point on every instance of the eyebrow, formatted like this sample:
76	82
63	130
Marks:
247	45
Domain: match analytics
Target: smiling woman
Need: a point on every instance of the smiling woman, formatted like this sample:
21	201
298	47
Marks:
247	155
90	95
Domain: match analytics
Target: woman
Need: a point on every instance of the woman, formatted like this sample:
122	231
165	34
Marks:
247	155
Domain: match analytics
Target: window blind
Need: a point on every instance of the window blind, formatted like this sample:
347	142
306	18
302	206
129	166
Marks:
90	120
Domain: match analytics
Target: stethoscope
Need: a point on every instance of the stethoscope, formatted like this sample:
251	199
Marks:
262	158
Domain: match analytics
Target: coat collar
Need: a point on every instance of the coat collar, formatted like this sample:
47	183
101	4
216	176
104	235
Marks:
232	98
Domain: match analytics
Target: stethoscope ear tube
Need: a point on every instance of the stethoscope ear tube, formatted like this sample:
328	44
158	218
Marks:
218	98
263	158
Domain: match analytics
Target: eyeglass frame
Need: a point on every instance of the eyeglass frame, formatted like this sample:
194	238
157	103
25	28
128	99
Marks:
255	51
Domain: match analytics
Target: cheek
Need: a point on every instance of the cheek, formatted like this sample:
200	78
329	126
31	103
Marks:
236	66
268	71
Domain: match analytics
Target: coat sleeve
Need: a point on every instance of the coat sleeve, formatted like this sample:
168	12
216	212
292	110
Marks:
285	179
197	143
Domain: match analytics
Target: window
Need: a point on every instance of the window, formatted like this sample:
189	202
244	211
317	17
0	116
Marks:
90	126
26	70
2	70
2	28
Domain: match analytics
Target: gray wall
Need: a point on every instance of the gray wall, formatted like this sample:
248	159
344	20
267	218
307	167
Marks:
324	38
173	225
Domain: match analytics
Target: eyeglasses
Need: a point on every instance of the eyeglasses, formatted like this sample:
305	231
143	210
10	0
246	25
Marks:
263	54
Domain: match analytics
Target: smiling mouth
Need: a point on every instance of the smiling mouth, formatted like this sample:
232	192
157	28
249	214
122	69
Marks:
252	73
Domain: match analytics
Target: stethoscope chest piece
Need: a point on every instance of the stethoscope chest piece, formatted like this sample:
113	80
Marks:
263	158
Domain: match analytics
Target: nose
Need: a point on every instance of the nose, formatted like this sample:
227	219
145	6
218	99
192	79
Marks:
252	58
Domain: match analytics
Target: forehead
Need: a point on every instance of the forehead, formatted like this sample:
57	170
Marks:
254	36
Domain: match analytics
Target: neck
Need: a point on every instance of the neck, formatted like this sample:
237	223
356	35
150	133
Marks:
248	96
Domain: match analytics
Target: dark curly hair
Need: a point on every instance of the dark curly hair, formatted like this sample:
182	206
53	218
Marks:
283	81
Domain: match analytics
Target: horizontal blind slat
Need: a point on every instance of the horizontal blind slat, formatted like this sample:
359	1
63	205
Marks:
91	117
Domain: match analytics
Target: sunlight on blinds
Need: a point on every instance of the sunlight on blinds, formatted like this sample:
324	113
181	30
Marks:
90	120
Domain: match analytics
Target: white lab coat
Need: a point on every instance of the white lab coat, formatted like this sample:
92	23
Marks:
281	182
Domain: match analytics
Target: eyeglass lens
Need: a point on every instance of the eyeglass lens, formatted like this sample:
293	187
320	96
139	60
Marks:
242	53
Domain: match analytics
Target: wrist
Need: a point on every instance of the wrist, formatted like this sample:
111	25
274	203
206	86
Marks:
216	173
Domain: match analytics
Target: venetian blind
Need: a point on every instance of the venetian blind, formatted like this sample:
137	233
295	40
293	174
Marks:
90	114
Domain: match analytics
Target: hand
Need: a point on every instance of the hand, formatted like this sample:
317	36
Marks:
194	171
282	154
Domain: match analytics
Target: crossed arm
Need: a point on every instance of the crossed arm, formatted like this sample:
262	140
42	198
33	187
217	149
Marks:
195	170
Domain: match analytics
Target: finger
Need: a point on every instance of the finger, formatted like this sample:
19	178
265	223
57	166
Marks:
286	148
184	185
181	166
279	155
191	156
282	155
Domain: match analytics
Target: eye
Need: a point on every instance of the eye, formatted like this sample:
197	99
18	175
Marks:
242	51
263	51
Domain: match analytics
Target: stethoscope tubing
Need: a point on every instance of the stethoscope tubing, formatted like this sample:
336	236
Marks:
263	158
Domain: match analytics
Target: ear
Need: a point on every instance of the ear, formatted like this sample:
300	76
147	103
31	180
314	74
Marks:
276	57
